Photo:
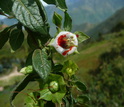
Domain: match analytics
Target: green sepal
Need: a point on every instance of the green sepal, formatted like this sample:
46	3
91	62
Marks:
67	22
32	100
69	68
81	36
61	4
57	19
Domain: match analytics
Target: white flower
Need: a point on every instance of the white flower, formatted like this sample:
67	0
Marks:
65	43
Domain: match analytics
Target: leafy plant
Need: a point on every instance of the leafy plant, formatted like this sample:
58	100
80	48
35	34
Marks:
56	80
107	85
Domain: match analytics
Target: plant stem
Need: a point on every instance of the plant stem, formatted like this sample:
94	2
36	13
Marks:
58	105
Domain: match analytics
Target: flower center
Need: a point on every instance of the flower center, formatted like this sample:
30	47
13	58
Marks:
66	42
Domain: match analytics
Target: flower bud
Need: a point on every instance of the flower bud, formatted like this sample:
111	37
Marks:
27	70
69	70
54	86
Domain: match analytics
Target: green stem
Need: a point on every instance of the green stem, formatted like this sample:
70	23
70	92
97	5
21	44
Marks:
58	105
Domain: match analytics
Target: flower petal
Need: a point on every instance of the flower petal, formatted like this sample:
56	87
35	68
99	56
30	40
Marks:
65	43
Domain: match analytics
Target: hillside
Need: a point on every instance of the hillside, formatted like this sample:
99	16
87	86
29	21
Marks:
88	61
85	27
107	25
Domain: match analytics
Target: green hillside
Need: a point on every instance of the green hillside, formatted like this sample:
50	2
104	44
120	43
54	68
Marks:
88	59
102	69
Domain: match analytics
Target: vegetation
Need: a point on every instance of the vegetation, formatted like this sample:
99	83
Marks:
56	79
101	66
101	69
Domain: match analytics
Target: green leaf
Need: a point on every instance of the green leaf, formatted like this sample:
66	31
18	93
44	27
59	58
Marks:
29	14
81	86
41	10
82	99
67	22
35	40
57	19
16	39
6	6
57	68
47	94
1	12
81	36
32	100
41	63
59	3
4	35
20	86
50	1
29	59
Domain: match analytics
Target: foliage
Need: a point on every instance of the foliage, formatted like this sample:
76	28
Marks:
56	80
107	86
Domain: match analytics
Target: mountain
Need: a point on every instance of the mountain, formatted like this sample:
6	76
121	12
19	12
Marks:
92	11
85	27
89	11
83	11
107	25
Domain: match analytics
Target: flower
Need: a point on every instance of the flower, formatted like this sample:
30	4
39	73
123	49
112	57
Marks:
65	43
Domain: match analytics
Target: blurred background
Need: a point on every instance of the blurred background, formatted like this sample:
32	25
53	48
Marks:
101	58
